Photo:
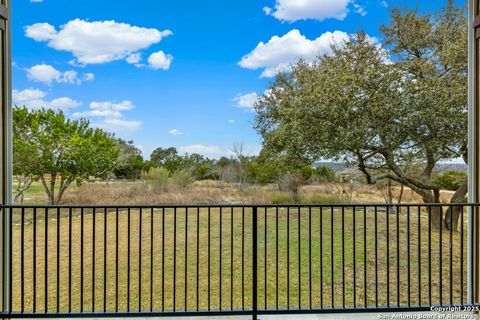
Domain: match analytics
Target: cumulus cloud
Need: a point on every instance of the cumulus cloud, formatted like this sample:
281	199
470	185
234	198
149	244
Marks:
231	121
96	42
134	58
294	10
279	53
109	116
206	150
47	74
246	101
35	99
160	60
361	10
175	132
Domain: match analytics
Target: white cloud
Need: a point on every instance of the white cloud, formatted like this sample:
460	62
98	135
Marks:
206	150
40	31
294	10
160	60
119	125
98	41
35	99
175	132
38	1
47	74
231	121
279	53
384	4
360	9
107	105
108	115
246	101
134	58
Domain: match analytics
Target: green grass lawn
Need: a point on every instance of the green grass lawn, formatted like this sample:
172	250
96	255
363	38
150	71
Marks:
233	289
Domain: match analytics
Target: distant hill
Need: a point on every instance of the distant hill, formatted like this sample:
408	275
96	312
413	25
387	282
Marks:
442	167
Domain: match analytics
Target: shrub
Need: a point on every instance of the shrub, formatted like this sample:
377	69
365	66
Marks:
205	172
322	199
290	183
157	178
307	173
450	180
263	173
180	180
282	198
325	174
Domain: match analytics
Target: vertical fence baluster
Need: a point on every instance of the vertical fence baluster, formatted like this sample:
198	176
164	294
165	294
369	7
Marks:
151	259
331	256
116	258
128	257
365	256
220	262
288	257
419	227
440	254
254	263
105	212
46	262
185	298
81	258
310	256
429	255
462	213
376	255
93	257
343	255
398	255
231	258
163	259
408	259
69	260
174	259
22	261
58	261
198	257
265	261
354	257
299	259
321	257
388	254
276	258
208	258
140	237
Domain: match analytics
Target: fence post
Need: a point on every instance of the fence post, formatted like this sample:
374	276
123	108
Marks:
254	263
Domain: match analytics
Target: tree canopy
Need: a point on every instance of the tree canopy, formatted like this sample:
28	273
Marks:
60	151
384	106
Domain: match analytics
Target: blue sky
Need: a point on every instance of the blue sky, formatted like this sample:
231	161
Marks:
178	73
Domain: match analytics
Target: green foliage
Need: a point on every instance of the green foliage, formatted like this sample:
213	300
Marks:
180	180
450	180
377	108
264	172
283	198
205	172
64	150
157	179
130	163
323	199
325	174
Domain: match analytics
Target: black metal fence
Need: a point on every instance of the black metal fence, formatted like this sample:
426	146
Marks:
73	261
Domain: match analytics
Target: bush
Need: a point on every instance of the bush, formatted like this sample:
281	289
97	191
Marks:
307	173
322	199
290	183
325	174
205	172
180	180
263	173
282	198
157	178
450	180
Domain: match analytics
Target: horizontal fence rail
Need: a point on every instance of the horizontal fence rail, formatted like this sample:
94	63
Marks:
85	261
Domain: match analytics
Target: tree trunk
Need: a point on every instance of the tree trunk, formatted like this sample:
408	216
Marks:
453	213
436	212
